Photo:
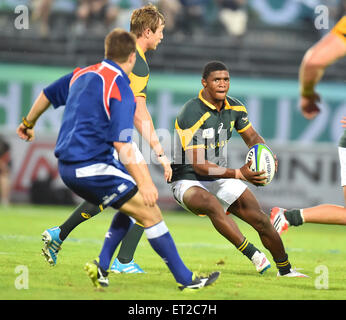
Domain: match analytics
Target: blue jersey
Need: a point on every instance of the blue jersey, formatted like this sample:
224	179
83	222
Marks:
99	110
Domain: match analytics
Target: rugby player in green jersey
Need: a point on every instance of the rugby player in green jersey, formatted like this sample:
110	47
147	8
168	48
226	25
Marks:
202	181
147	23
326	51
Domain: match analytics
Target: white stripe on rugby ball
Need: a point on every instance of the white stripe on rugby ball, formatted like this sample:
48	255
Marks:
262	160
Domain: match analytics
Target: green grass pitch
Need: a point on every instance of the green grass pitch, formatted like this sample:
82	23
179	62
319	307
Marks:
318	250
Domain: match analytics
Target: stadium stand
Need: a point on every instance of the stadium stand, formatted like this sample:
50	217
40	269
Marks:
263	51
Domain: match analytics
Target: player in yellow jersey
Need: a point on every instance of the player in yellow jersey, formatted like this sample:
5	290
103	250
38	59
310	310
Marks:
329	49
147	23
144	22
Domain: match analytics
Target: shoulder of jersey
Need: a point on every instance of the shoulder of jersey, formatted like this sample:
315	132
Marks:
191	112
141	68
234	101
190	107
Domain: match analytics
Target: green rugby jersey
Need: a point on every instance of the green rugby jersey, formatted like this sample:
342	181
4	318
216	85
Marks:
200	125
140	74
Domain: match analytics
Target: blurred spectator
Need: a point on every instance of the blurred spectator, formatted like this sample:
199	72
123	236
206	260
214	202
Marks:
5	186
112	13
233	15
93	11
196	15
41	11
342	7
171	9
125	8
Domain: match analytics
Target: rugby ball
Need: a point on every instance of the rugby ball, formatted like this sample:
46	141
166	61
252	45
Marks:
262	160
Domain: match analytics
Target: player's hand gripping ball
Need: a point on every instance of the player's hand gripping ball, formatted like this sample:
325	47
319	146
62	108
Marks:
262	159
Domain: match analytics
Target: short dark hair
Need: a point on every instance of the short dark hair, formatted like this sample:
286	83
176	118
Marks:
213	66
119	44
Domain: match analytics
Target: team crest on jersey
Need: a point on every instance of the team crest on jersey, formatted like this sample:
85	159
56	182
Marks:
231	126
85	215
208	133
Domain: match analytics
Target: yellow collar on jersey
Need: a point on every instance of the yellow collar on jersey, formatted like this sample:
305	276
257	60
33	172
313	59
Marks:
210	105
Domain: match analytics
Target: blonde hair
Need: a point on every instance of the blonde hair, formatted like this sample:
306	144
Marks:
145	17
119	44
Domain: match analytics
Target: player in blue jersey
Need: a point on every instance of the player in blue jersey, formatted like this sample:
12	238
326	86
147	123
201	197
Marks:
99	118
147	23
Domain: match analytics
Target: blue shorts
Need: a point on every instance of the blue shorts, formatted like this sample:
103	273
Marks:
101	183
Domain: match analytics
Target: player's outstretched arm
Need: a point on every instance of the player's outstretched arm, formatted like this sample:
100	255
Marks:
26	129
325	52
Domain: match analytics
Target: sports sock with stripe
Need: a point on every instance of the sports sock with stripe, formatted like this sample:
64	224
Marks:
116	232
82	213
283	265
130	243
247	248
162	242
294	217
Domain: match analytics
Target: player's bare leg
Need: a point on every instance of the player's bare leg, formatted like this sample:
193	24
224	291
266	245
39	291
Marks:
159	238
247	208
282	219
325	214
145	215
200	201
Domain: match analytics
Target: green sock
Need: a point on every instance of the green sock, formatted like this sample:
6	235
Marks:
294	217
129	243
82	213
247	248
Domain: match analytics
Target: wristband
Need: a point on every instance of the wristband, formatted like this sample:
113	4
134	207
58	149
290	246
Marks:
307	93
27	124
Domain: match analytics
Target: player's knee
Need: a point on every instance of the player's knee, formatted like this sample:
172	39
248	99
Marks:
149	216
202	202
261	223
206	200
